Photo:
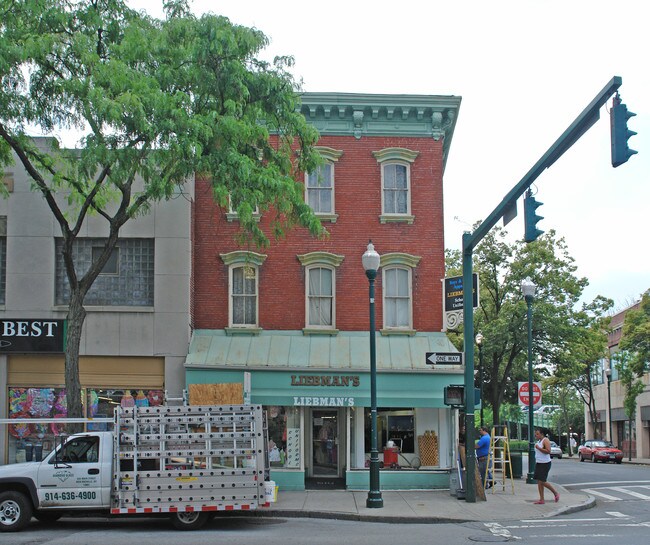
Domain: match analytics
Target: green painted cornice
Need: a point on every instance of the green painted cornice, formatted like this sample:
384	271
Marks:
359	115
395	154
321	258
243	256
329	154
399	258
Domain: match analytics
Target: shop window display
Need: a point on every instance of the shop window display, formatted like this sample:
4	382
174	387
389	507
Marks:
397	425
284	436
31	441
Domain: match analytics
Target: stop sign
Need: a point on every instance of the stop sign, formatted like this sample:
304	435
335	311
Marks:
522	393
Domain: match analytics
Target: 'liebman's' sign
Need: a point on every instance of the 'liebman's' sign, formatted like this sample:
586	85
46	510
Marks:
325	380
28	336
331	381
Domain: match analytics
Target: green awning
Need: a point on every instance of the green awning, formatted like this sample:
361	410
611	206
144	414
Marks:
348	350
291	369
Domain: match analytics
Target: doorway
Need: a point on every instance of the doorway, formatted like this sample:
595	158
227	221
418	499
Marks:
326	449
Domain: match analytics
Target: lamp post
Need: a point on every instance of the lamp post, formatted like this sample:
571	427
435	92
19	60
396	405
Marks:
528	289
370	260
479	342
608	373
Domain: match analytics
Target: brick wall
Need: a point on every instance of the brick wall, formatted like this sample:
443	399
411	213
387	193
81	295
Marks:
358	205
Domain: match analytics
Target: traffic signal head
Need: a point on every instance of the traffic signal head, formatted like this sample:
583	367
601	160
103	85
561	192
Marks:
618	117
531	232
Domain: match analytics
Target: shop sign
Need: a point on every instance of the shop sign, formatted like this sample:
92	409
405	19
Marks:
454	293
314	401
325	380
27	336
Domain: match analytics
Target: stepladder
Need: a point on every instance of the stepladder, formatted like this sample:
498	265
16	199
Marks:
499	462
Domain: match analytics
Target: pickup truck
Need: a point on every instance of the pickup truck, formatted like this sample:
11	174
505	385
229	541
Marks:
188	462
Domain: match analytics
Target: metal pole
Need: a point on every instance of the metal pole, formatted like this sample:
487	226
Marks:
480	364
374	493
531	443
609	405
468	345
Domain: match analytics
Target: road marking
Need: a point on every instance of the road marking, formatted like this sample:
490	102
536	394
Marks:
551	521
605	482
571	535
630	492
601	494
617	514
499	530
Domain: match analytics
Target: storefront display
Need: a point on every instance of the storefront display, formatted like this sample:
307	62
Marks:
32	441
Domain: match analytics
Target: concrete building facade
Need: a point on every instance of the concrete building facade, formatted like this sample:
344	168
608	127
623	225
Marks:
136	333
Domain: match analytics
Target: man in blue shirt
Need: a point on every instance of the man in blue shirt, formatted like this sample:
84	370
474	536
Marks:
482	450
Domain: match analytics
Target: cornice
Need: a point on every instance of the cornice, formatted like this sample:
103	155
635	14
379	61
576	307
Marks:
359	115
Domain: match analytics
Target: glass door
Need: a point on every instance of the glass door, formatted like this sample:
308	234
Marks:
325	443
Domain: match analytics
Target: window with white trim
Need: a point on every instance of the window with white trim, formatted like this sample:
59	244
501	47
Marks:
320	291
397	297
320	296
243	288
319	186
396	183
243	296
395	190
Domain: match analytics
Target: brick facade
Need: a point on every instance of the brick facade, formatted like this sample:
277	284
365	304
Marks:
358	205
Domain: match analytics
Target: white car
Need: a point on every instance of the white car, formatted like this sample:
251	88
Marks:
547	409
556	452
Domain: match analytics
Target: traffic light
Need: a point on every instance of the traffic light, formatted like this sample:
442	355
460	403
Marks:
531	232
454	395
618	117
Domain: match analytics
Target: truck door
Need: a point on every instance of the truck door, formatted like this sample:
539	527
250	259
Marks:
73	477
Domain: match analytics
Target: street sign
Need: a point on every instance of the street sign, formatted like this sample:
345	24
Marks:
444	358
454	292
522	394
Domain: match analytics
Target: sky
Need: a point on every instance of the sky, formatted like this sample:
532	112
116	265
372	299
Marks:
525	70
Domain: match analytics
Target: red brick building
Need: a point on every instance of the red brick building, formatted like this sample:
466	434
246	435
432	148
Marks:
295	315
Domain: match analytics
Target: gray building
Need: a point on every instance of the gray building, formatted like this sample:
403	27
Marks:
137	329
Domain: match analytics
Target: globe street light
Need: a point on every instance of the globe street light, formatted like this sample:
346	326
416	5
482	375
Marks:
608	372
479	342
370	260
528	289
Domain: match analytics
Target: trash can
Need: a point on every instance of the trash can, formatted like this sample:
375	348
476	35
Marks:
516	463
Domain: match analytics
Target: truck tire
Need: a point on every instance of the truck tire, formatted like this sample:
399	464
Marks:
15	511
189	520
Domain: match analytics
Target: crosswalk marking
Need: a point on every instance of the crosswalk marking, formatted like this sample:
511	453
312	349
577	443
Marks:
627	490
601	494
616	514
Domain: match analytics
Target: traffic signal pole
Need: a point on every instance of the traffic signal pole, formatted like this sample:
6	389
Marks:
570	136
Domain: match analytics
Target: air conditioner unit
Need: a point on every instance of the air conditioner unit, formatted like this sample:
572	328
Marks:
646	423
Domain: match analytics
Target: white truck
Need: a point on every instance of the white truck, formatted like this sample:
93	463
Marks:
189	462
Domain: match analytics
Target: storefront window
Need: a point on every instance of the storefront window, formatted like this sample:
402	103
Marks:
34	440
397	425
284	436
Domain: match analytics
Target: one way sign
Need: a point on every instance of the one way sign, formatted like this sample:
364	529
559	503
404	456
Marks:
444	358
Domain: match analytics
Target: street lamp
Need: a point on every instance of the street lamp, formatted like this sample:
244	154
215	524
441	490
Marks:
370	260
479	342
608	372
528	289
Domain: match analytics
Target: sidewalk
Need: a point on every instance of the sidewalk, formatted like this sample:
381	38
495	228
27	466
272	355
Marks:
427	506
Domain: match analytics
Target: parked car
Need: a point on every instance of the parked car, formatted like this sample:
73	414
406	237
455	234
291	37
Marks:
556	452
598	450
547	409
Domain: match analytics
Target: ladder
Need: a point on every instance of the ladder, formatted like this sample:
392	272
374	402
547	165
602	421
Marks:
499	463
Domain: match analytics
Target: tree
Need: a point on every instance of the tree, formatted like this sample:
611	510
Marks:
155	102
635	336
501	316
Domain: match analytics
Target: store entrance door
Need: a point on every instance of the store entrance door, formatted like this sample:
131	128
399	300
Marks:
325	443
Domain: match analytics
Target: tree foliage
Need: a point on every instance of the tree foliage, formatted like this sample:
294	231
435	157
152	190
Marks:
558	321
154	101
635	337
